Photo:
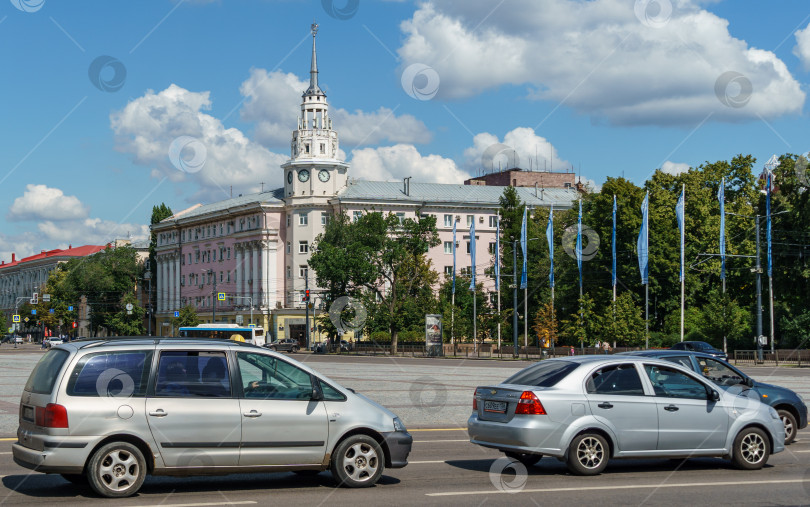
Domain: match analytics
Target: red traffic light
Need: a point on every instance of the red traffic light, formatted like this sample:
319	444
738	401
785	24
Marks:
74	325
306	296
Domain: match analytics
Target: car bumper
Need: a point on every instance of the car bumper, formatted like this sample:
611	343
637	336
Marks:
529	435
58	460
399	445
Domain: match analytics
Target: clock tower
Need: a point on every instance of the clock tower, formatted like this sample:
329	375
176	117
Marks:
314	169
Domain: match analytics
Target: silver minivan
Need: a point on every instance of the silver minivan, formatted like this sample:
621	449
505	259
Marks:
110	412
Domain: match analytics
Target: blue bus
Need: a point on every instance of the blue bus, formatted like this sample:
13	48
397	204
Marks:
254	335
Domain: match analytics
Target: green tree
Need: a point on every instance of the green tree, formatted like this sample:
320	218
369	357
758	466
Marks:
188	318
545	325
722	316
386	263
623	322
124	323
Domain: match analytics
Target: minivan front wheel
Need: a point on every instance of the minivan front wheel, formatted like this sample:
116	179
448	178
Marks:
751	449
117	470
358	462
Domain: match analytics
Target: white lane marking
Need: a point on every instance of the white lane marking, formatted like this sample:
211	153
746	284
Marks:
433	441
246	502
607	488
10	452
425	462
802	451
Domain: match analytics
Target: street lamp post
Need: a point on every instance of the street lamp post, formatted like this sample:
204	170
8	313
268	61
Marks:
148	277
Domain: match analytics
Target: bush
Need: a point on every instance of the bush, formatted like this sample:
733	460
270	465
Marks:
380	337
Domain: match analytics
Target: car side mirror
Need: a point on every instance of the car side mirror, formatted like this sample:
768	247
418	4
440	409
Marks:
317	394
714	395
749	381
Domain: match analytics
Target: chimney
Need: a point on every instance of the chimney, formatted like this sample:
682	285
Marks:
407	185
12	257
70	246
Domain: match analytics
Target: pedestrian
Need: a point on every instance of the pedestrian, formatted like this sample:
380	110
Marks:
606	346
571	351
598	344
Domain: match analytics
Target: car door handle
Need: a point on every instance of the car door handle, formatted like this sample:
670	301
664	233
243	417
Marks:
671	408
159	413
252	413
605	405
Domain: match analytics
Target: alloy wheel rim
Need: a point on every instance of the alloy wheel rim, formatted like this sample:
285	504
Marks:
753	448
119	470
360	462
590	452
788	426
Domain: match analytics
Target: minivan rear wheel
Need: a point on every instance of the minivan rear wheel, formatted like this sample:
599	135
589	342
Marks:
751	449
116	470
358	462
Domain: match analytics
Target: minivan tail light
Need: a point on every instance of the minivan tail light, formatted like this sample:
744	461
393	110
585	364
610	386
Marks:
52	416
529	404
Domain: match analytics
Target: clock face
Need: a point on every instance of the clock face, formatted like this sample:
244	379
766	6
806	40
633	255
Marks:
323	175
289	177
303	175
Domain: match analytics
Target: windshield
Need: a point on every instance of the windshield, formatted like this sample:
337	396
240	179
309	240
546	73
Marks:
543	374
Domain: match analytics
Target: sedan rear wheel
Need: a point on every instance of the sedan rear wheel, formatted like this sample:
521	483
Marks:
751	449
588	454
790	425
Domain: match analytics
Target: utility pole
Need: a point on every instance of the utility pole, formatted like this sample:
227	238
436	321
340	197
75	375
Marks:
214	297
306	305
515	352
759	298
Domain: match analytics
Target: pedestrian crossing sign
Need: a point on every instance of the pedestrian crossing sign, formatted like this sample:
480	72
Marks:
221	296
15	318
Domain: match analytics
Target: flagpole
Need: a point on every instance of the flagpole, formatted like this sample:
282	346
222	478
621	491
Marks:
550	238
613	248
683	275
498	276
473	288
721	196
579	264
453	298
772	163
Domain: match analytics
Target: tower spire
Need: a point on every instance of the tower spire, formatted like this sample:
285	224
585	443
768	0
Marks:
313	89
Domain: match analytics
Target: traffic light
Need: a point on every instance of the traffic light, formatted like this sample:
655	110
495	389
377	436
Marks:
75	325
306	296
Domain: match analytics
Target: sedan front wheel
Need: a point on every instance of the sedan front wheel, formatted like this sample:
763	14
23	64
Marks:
751	449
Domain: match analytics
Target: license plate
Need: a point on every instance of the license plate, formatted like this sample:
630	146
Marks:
495	406
28	413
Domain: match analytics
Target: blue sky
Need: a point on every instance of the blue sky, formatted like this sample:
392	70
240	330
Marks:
422	89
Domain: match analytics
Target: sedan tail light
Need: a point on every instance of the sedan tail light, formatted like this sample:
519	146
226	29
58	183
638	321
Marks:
475	400
529	404
52	416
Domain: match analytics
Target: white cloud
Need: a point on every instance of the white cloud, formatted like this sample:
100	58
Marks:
147	126
600	59
91	231
520	147
396	162
802	47
674	168
273	102
40	202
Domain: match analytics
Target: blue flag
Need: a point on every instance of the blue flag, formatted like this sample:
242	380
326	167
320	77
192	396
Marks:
721	196
550	237
642	246
454	256
523	249
472	255
768	222
679	213
579	243
613	243
498	254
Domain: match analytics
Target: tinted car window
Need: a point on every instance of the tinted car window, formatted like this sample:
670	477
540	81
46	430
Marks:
44	375
190	374
621	379
672	383
543	374
269	378
114	374
681	360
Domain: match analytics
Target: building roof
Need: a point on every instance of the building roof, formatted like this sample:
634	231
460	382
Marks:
441	193
79	251
267	197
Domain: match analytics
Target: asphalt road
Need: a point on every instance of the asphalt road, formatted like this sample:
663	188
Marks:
433	397
445	469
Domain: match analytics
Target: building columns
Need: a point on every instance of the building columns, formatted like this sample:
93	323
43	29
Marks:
254	254
177	281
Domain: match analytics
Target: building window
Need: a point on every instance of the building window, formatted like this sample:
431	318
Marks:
306	148
303	218
470	219
492	248
324	218
448	247
289	272
289	247
323	148
196	257
356	215
303	271
221	277
229	276
288	220
229	252
303	247
468	247
401	218
493	221
448	270
448	220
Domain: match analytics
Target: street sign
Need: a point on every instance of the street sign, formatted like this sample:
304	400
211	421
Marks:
251	325
176	315
46	298
51	310
34	311
75	325
221	296
15	318
129	307
26	320
70	308
240	320
165	323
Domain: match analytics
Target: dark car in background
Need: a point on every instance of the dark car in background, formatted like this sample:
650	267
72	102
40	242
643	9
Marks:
705	348
788	404
284	345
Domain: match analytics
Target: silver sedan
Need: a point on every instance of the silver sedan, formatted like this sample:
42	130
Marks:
587	410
